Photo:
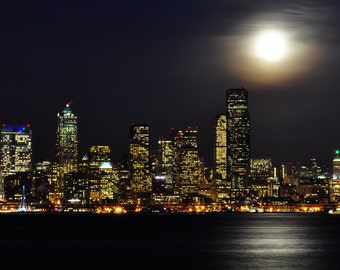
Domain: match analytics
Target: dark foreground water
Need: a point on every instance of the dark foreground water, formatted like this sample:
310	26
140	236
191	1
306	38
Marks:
170	241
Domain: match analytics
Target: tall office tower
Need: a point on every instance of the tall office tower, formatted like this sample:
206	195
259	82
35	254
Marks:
67	143
220	146
189	171
15	153
98	154
16	149
220	158
334	183
336	165
139	160
103	177
238	137
166	162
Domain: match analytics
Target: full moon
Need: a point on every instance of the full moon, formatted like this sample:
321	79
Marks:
271	46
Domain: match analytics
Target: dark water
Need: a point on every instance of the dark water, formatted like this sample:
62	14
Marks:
170	241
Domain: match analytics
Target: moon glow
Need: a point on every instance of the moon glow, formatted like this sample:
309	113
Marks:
270	46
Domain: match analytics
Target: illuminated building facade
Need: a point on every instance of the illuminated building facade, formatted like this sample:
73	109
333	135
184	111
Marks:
108	182
67	143
98	155
238	137
220	146
42	182
16	149
261	180
76	188
139	158
16	160
166	160
188	172
220	158
261	168
334	183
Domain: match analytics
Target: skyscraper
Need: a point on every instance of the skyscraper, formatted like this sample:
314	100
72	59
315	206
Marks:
67	143
238	137
188	165
220	158
220	146
166	163
103	179
139	158
16	158
334	183
16	149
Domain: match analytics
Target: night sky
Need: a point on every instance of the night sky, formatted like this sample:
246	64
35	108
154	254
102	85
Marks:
168	63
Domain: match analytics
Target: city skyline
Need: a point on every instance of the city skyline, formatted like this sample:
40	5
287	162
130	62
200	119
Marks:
168	64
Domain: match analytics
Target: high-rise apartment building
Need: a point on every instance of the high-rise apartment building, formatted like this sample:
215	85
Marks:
139	158
238	137
67	143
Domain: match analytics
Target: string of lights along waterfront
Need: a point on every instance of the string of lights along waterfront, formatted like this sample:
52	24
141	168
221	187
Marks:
171	178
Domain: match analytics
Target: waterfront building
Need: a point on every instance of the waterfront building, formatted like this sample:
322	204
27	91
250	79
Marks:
238	140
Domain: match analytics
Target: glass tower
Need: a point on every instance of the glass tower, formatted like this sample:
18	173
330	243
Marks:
238	137
67	143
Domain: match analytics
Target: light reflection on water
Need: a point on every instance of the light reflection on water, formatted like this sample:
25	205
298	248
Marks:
240	241
280	241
